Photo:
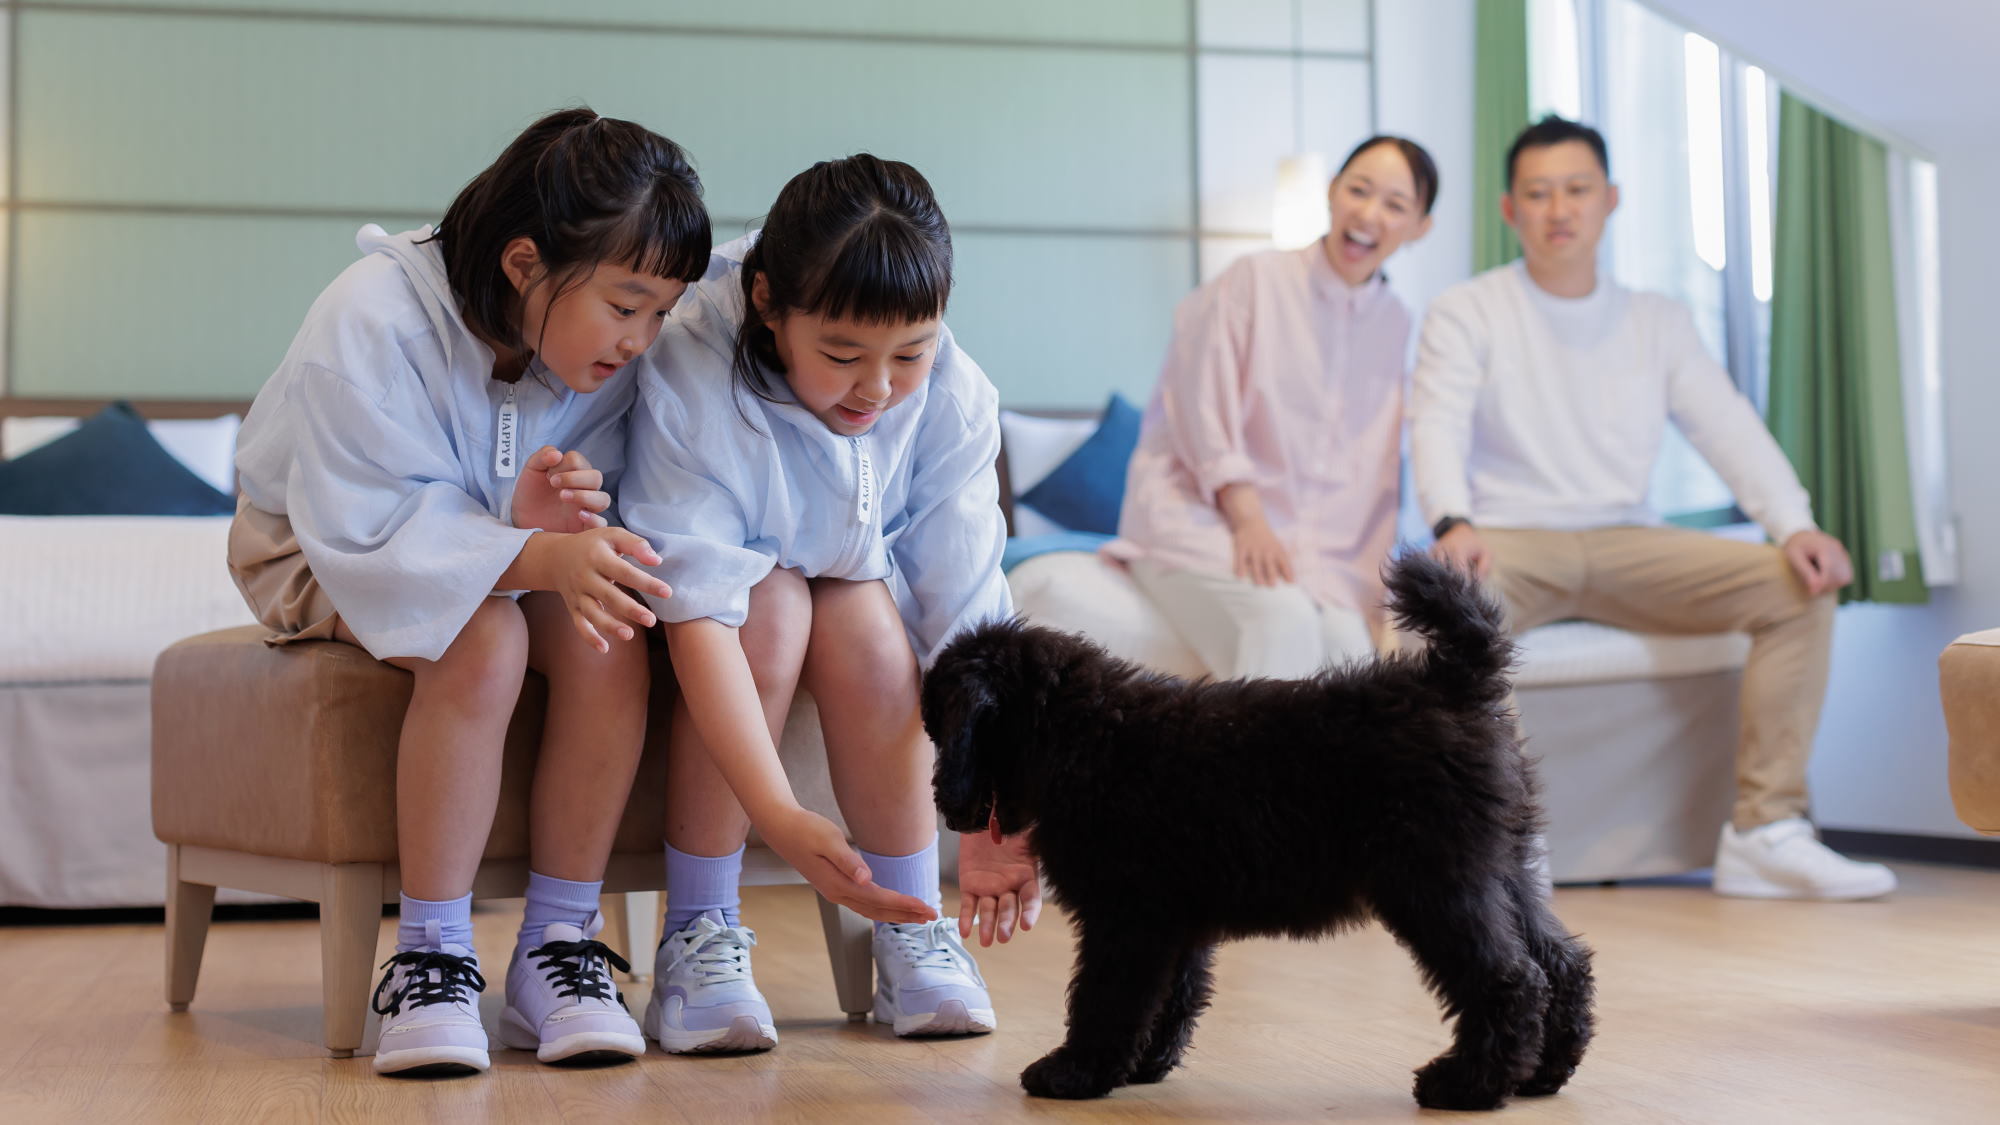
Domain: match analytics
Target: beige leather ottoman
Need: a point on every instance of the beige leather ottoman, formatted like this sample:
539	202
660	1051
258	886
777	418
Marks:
274	771
1969	681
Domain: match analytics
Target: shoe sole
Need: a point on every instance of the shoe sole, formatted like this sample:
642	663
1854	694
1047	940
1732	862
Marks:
951	1018
582	1047
433	1060
1753	887
743	1034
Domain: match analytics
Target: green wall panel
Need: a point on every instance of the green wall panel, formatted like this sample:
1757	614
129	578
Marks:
1063	321
173	306
1162	23
144	109
163	306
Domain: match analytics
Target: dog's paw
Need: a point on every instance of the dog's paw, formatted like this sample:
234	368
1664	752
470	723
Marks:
1545	1081
1059	1074
1450	1082
1151	1069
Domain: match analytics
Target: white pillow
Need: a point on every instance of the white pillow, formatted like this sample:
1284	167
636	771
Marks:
1035	446
207	446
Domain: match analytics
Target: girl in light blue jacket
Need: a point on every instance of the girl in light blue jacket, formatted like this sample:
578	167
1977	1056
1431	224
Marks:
814	458
427	477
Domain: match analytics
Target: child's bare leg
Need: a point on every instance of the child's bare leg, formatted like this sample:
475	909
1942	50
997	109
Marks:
448	757
861	672
591	741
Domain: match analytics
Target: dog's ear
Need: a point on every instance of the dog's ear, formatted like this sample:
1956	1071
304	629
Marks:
958	706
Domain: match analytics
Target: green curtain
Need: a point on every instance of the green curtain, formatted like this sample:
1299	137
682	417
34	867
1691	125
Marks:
1499	113
1836	398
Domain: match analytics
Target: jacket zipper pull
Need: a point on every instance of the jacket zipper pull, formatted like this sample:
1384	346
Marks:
507	437
864	491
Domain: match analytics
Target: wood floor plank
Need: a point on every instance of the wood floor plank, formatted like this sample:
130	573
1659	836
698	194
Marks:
1711	1010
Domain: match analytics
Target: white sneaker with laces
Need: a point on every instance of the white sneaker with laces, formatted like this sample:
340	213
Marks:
927	982
1784	859
429	1004
704	998
562	1003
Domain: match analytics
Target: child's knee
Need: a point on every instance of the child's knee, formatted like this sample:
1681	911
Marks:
493	645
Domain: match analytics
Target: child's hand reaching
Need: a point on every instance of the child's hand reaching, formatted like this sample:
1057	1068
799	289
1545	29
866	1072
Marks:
590	568
815	847
560	492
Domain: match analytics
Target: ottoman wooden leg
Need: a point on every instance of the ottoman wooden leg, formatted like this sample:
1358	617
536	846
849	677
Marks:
189	907
350	919
850	947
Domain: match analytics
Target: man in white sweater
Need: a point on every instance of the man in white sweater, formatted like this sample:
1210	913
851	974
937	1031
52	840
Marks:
1541	395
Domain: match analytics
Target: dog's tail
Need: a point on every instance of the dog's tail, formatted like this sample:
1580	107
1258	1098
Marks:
1469	651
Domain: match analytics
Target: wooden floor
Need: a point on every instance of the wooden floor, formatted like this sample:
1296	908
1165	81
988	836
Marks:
1711	1010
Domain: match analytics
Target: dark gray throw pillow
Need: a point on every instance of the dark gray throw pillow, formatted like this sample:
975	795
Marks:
108	466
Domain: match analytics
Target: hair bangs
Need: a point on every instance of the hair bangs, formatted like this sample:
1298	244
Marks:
885	272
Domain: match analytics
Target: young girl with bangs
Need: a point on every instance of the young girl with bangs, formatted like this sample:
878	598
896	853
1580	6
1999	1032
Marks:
814	458
427	477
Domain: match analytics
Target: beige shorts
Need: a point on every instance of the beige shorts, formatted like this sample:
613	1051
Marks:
265	561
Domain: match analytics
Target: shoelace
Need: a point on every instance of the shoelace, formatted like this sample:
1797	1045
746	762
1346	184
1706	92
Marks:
454	975
714	960
578	968
929	945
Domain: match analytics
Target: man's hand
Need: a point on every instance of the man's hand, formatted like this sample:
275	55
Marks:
1819	560
997	884
1463	548
560	492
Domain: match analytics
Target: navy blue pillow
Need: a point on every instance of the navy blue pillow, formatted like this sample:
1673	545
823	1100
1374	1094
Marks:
108	466
1085	492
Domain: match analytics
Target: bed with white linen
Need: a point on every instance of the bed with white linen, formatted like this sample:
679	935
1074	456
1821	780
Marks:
86	604
1635	733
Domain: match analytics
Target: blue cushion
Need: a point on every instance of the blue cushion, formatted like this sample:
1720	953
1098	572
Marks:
1021	548
1085	492
108	466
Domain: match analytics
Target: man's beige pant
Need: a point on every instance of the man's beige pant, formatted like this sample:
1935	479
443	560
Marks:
1242	630
1670	580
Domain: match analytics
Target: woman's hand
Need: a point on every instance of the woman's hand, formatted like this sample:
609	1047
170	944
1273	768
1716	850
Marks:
1260	558
816	849
560	492
590	567
997	884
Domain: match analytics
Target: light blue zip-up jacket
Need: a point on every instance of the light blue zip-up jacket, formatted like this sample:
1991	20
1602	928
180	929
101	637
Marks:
379	437
914	502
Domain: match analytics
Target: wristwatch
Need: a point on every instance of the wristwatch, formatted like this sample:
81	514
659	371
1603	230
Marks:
1446	524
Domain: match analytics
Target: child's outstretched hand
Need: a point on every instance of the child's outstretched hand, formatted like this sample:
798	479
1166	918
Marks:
560	492
816	849
590	568
997	884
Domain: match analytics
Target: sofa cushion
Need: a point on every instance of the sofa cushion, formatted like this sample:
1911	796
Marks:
1085	492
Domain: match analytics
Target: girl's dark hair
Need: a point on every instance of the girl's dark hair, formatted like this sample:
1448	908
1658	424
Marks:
1423	169
857	239
586	189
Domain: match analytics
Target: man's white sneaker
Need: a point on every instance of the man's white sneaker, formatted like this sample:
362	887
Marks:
561	1000
927	982
704	998
429	1004
1784	859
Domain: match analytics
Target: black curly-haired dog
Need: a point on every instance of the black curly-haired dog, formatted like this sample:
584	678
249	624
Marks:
1393	789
